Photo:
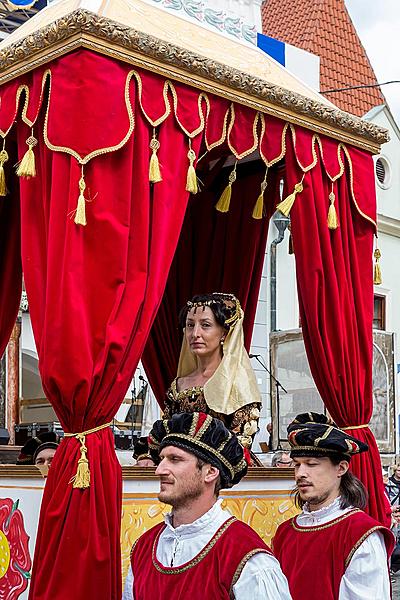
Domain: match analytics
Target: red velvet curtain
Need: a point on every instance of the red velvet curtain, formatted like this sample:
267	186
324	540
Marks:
10	258
93	294
216	252
334	279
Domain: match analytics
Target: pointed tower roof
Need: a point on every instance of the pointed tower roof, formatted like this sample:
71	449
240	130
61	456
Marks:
324	27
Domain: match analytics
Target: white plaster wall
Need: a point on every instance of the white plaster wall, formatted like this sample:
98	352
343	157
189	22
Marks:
389	198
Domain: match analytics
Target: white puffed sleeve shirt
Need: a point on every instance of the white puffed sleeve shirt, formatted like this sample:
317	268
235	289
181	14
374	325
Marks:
261	577
367	575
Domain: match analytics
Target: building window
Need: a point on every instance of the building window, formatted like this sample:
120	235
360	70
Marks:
379	312
383	172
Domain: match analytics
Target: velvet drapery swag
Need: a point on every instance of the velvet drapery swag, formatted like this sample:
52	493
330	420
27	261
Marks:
94	291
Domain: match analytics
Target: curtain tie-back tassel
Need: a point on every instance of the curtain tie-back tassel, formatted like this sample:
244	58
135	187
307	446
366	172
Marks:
81	479
191	179
258	210
332	215
377	267
80	214
224	202
154	166
27	167
3	160
286	205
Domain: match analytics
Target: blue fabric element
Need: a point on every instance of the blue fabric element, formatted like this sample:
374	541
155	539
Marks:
273	47
22	3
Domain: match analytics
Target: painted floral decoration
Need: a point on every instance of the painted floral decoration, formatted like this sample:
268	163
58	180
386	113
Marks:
15	560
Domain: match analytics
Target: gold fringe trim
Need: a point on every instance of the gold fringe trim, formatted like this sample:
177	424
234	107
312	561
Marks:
191	179
332	215
3	159
27	167
154	166
80	214
377	267
258	210
81	480
224	202
286	205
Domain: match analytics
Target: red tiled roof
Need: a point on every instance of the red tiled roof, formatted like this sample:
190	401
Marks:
324	27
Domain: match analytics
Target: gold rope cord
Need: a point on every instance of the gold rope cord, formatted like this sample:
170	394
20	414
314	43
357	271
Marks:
255	144
282	153
168	85
24	116
81	479
85	159
22	88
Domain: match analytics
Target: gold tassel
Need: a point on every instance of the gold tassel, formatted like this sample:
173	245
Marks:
332	215
154	166
258	210
26	166
377	267
3	159
80	214
225	198
82	478
191	179
286	205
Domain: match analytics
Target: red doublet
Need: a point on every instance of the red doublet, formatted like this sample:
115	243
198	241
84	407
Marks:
210	574
314	559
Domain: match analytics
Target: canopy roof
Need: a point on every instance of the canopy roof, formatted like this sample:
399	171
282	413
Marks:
136	32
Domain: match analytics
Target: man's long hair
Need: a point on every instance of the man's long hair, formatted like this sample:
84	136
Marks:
352	491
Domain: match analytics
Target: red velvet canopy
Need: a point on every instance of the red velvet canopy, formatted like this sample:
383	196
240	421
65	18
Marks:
94	291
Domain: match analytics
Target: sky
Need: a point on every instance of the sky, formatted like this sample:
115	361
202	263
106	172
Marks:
378	26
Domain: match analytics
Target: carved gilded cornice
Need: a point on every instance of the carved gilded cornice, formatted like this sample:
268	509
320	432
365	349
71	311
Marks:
81	28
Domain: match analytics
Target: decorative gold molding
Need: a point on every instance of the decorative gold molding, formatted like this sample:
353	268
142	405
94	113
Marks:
81	28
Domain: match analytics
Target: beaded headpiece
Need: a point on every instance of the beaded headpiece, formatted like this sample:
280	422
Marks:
229	300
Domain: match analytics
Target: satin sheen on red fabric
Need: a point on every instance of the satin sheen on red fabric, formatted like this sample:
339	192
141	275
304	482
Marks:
10	261
93	294
334	281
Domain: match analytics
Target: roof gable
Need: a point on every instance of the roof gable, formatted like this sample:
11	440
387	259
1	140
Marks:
326	29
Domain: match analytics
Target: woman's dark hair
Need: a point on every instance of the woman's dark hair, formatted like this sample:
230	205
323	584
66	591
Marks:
217	303
352	491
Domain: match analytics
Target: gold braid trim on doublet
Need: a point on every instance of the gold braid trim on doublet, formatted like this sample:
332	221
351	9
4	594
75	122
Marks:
326	525
241	566
234	383
360	541
195	561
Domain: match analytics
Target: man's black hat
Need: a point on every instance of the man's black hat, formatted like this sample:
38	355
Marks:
34	445
205	437
313	434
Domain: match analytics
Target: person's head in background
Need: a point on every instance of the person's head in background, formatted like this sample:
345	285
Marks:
44	454
396	472
282	460
385	476
39	451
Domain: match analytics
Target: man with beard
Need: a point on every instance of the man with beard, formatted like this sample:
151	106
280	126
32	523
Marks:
333	550
200	551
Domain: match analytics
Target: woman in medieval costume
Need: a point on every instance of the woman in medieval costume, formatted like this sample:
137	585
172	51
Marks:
214	371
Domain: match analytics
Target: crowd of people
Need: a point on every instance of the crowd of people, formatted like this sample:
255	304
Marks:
332	550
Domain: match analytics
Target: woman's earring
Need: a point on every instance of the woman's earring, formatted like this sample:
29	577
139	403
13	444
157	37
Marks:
222	341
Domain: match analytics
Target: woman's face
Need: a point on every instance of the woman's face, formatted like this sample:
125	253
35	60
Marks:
203	333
